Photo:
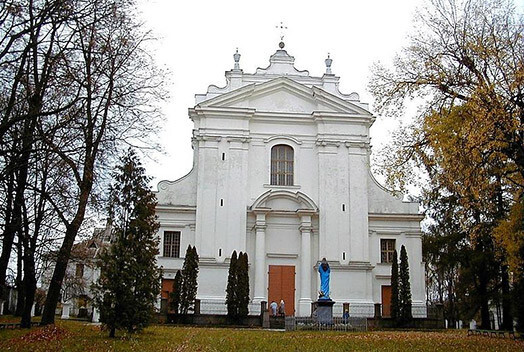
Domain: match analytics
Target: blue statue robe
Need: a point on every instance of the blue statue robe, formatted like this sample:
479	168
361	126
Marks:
324	281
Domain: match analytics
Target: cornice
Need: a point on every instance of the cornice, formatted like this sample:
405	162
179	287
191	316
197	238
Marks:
166	208
223	112
282	255
350	266
395	216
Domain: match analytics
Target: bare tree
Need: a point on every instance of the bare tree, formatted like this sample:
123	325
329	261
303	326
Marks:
75	83
120	87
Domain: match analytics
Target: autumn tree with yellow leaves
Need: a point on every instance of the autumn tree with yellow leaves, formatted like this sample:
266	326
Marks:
464	65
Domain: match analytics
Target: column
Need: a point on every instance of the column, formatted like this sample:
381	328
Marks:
304	302
260	256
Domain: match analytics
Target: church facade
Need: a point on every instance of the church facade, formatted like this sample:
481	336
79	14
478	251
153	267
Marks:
281	171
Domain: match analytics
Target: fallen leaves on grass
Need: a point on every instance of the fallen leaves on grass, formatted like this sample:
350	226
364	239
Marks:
47	333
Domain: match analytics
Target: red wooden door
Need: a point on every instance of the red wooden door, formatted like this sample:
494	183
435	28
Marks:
386	301
282	286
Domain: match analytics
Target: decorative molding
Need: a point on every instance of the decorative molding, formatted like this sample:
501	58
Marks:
176	208
258	227
239	139
260	210
212	262
296	196
383	277
302	212
321	142
414	234
265	185
395	216
350	266
307	228
277	137
282	255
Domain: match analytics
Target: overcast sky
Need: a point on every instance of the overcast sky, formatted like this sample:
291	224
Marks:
197	40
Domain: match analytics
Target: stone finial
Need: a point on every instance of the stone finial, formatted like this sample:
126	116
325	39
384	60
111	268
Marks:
236	57
328	62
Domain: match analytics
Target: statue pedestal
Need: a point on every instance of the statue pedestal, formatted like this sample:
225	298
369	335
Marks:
323	311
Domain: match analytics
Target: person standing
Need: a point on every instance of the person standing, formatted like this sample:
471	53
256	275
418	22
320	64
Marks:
282	308
273	307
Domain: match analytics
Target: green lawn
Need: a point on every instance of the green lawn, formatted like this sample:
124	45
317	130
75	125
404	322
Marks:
78	336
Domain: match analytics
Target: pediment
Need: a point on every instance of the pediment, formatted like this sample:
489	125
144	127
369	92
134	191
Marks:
284	95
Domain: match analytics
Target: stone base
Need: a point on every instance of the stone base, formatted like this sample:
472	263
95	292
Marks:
323	311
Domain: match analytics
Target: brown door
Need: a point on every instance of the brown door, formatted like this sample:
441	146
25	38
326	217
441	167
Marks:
386	301
167	288
282	286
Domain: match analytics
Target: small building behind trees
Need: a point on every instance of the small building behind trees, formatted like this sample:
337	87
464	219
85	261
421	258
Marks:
81	273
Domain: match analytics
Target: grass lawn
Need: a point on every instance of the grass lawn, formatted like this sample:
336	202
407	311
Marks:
78	336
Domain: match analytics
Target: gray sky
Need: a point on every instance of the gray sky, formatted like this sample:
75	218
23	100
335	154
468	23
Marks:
197	40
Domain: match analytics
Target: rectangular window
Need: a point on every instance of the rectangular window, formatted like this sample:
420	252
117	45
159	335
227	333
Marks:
282	168
387	247
172	244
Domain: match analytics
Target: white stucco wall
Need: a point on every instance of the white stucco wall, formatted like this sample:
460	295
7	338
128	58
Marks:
226	202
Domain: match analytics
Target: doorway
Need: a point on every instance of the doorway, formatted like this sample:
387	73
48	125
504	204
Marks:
282	286
386	301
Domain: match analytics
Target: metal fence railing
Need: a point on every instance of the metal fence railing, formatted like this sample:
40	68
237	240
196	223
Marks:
220	307
338	324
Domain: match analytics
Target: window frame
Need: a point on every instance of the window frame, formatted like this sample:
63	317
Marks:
282	165
386	254
171	244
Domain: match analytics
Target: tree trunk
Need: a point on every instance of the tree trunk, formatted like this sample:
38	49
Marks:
29	288
484	301
20	166
19	280
9	233
507	316
112	332
451	305
53	293
55	286
16	221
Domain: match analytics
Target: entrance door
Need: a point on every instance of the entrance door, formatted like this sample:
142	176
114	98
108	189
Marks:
282	286
386	301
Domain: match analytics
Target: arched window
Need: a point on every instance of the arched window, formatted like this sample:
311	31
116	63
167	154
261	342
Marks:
282	165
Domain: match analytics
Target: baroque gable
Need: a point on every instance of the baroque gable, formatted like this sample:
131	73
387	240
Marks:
283	94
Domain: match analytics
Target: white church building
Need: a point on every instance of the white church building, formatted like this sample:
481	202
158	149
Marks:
282	171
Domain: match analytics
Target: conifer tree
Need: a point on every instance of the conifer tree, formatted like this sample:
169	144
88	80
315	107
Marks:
242	285
129	280
231	289
395	306
404	287
174	296
189	280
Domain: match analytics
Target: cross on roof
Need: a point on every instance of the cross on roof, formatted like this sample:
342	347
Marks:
282	28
